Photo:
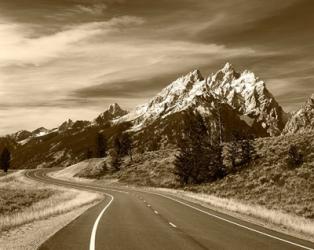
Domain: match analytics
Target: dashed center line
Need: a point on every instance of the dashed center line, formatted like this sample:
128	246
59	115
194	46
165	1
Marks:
156	212
173	225
149	205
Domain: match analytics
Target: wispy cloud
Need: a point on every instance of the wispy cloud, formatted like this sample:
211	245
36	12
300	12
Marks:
59	56
18	47
96	9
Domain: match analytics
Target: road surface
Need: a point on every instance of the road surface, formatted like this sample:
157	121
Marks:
133	219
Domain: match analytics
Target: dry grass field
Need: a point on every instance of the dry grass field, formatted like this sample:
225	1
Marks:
269	182
272	218
12	201
25	201
267	189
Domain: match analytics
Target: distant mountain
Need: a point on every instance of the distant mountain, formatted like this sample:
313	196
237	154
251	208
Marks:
302	120
229	101
21	135
40	132
113	112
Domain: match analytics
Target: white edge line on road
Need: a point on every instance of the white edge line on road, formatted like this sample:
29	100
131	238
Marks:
195	208
231	222
93	235
173	225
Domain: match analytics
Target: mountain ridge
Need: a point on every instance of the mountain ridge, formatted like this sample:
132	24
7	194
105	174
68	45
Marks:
301	120
226	99
244	92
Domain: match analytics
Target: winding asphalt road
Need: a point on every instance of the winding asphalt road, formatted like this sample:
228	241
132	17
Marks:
132	219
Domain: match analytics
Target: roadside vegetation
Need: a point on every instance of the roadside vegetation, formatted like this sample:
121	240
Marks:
287	222
267	178
25	201
5	159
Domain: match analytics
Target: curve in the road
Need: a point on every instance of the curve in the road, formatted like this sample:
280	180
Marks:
93	235
173	225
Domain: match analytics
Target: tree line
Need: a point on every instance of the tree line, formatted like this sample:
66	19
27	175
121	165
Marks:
121	146
203	157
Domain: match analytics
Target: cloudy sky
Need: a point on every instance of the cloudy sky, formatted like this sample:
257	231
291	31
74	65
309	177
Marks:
71	58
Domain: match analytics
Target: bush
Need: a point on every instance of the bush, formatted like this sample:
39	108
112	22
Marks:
295	157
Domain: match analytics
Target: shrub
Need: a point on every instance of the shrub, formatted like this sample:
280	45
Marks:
295	157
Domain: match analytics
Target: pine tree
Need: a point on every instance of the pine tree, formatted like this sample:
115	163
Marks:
217	167
122	144
117	144
115	160
126	145
101	145
248	151
198	160
295	157
89	153
233	150
184	162
5	159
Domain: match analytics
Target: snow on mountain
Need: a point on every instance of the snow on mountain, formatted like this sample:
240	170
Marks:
114	111
244	92
66	125
21	135
249	96
40	132
302	120
187	91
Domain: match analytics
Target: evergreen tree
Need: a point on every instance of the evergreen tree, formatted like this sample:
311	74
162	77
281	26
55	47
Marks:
117	144
126	144
184	161
89	153
122	144
240	151
101	145
115	160
295	157
248	151
233	152
5	159
199	160
217	167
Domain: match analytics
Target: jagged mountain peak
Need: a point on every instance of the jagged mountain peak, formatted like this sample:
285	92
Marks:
114	108
228	67
114	111
244	92
303	119
183	82
66	125
21	135
310	101
194	75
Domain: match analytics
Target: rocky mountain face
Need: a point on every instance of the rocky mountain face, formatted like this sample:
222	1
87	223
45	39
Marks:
244	93
302	120
247	94
113	112
21	135
227	100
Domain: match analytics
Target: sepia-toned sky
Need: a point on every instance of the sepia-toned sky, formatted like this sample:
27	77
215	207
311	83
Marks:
71	58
